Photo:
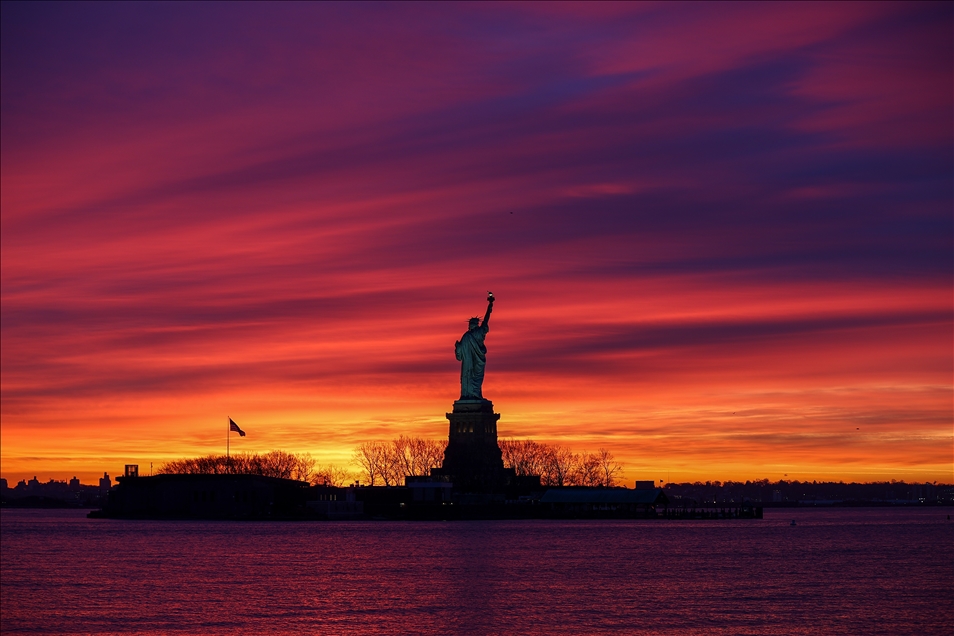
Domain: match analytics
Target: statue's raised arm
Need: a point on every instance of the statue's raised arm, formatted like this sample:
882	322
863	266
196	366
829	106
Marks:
472	353
490	307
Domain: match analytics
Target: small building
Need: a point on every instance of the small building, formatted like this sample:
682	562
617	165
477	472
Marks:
332	502
429	490
383	501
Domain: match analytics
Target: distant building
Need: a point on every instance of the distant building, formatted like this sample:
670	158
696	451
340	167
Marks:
603	502
52	494
331	502
105	483
429	490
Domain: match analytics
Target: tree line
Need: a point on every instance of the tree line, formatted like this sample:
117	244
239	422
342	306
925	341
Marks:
390	463
281	464
559	465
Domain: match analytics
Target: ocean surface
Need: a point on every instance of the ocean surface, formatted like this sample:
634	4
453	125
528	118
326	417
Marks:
836	571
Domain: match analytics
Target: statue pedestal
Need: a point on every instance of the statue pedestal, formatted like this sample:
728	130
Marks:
473	460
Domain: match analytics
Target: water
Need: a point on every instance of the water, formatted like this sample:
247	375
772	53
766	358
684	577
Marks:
838	571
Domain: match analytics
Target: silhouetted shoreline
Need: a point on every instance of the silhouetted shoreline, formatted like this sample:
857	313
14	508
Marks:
425	498
255	497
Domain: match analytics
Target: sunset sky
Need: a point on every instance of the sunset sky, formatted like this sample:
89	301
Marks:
720	235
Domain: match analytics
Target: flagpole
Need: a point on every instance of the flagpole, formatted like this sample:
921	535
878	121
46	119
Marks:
228	436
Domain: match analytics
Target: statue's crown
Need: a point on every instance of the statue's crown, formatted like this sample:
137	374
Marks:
474	319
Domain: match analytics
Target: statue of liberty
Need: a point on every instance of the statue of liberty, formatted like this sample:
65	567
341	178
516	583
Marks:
472	353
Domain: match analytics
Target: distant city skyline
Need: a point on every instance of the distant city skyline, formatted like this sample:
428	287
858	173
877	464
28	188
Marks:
720	235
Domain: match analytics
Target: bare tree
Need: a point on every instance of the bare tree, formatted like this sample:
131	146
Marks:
304	468
433	453
526	456
405	459
390	466
379	461
423	455
369	457
393	462
559	466
586	471
511	452
610	471
207	465
330	475
535	458
278	464
177	467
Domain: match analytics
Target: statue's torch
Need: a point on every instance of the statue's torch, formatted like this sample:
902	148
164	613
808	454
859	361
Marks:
490	297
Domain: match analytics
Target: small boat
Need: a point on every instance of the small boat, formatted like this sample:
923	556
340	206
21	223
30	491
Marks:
792	523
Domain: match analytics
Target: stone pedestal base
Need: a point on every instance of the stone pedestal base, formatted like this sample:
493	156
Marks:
473	459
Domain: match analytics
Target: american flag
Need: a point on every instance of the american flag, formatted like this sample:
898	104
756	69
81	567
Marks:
234	427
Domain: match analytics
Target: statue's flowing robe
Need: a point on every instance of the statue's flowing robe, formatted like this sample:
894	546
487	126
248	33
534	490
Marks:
472	353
